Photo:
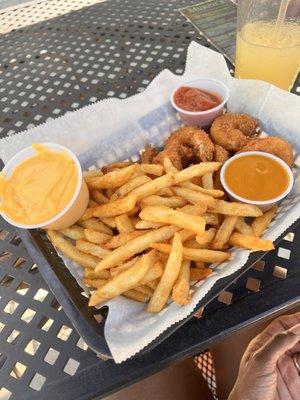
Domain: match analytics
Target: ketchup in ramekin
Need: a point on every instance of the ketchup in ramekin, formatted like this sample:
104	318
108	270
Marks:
194	99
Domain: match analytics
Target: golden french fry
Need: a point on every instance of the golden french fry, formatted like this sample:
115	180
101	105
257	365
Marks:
211	219
95	283
233	208
92	203
95	237
242	227
133	212
153	284
99	197
197	274
155	200
123	223
85	260
181	290
109	221
152	187
153	273
136	246
207	181
121	268
170	274
224	232
113	179
192	243
194	197
206	238
152	169
91	248
178	218
169	167
260	224
111	209
137	296
144	289
130	185
148	225
91	274
210	192
209	256
95	225
196	170
109	193
122	238
165	192
74	232
115	165
250	242
124	281
199	264
198	209
92	173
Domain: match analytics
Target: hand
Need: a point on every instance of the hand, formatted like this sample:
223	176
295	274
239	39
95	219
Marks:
267	370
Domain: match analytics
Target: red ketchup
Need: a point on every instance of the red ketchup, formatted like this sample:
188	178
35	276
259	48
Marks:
193	99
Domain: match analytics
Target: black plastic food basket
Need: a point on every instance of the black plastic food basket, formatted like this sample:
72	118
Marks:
89	321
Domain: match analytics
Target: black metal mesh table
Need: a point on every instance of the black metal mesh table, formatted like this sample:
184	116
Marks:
110	49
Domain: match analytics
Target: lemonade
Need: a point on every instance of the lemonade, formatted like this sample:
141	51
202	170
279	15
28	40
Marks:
267	53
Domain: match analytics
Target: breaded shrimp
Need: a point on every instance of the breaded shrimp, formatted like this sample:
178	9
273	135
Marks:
221	154
232	131
274	145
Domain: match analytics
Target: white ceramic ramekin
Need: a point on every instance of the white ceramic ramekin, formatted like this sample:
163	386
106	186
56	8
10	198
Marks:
202	118
263	205
77	204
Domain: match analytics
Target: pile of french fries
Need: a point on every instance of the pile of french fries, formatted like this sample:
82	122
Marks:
150	231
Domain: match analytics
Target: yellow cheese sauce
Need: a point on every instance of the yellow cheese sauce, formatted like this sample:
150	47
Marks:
256	177
40	187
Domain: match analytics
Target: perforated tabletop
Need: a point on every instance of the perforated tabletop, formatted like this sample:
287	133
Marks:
114	48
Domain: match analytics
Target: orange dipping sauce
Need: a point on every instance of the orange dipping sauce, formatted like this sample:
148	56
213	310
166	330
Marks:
256	177
193	99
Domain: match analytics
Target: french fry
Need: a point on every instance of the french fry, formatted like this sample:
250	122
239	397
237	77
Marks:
111	209
206	238
207	181
91	274
209	256
224	232
133	212
210	192
153	284
116	165
109	193
137	296
238	209
199	209
113	179
99	197
74	232
95	283
153	273
144	289
121	239
242	227
91	248
169	216
135	246
165	192
155	200
85	260
95	225
250	242
148	225
185	235
197	274
181	290
260	224
194	197
211	219
130	185
152	187
95	237
192	243
196	170
92	173
121	268
126	280
123	223
169	167
109	221
92	203
170	274
152	169
199	264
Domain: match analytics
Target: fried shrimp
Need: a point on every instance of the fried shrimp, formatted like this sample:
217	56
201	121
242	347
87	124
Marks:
185	146
232	131
274	145
148	154
221	154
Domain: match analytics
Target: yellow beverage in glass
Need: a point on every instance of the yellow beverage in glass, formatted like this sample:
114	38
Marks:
269	54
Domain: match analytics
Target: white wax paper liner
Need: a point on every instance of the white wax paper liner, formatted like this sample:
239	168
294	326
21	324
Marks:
115	129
